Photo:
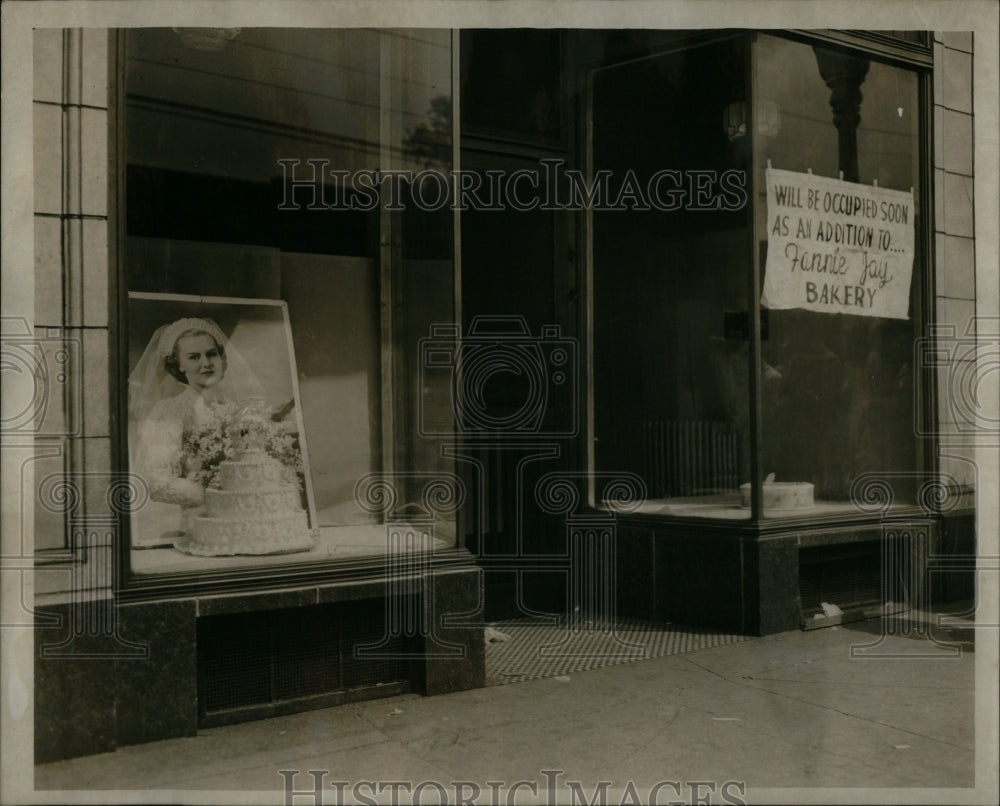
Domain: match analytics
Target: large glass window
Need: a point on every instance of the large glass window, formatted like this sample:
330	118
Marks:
672	329
838	388
670	273
290	187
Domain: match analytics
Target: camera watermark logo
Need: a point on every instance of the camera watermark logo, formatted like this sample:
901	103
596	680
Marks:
93	629
412	506
967	368
590	565
503	382
37	369
907	560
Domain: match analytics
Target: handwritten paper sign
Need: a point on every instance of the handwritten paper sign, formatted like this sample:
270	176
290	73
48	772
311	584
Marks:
837	247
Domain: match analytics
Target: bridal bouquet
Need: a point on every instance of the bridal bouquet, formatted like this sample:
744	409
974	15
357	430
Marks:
227	430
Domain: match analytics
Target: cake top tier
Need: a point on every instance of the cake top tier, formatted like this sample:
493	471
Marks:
252	422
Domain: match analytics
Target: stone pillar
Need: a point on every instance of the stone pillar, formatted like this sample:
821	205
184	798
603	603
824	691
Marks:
962	322
68	332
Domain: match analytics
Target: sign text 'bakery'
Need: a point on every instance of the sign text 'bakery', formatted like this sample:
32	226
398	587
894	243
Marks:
837	247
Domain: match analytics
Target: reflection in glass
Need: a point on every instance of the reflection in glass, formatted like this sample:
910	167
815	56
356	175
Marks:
671	351
838	389
241	170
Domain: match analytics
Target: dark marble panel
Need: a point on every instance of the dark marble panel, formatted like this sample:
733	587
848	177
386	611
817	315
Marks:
771	595
74	687
350	591
830	537
158	694
251	601
636	594
454	654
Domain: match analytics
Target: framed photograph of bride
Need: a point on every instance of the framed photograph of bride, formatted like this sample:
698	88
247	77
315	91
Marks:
215	429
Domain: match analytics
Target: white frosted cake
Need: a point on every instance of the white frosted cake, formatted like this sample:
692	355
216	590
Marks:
256	511
781	495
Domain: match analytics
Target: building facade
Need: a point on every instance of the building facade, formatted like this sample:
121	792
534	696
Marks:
513	270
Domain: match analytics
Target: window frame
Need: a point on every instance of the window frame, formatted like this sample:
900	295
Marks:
883	47
130	586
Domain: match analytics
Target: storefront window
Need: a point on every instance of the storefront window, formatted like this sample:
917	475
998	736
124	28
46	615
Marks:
840	270
838	382
257	200
670	271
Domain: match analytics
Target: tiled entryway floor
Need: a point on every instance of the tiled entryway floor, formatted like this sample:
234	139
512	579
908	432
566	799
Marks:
527	649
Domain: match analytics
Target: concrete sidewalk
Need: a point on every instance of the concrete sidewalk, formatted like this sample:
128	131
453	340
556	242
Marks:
789	710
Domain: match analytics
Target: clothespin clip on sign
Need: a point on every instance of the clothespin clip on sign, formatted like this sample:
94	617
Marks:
809	171
875	182
841	175
769	165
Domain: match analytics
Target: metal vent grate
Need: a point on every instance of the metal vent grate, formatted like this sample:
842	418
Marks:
305	653
848	576
233	661
255	661
371	656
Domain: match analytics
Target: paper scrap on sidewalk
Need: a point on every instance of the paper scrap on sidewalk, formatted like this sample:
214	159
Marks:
495	635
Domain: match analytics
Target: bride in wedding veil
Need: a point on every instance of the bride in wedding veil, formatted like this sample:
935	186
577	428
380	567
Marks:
187	367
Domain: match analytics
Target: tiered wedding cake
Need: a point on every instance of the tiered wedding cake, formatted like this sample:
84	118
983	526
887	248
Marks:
255	512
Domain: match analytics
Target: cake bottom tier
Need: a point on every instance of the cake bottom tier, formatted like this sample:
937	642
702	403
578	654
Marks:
781	495
213	537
